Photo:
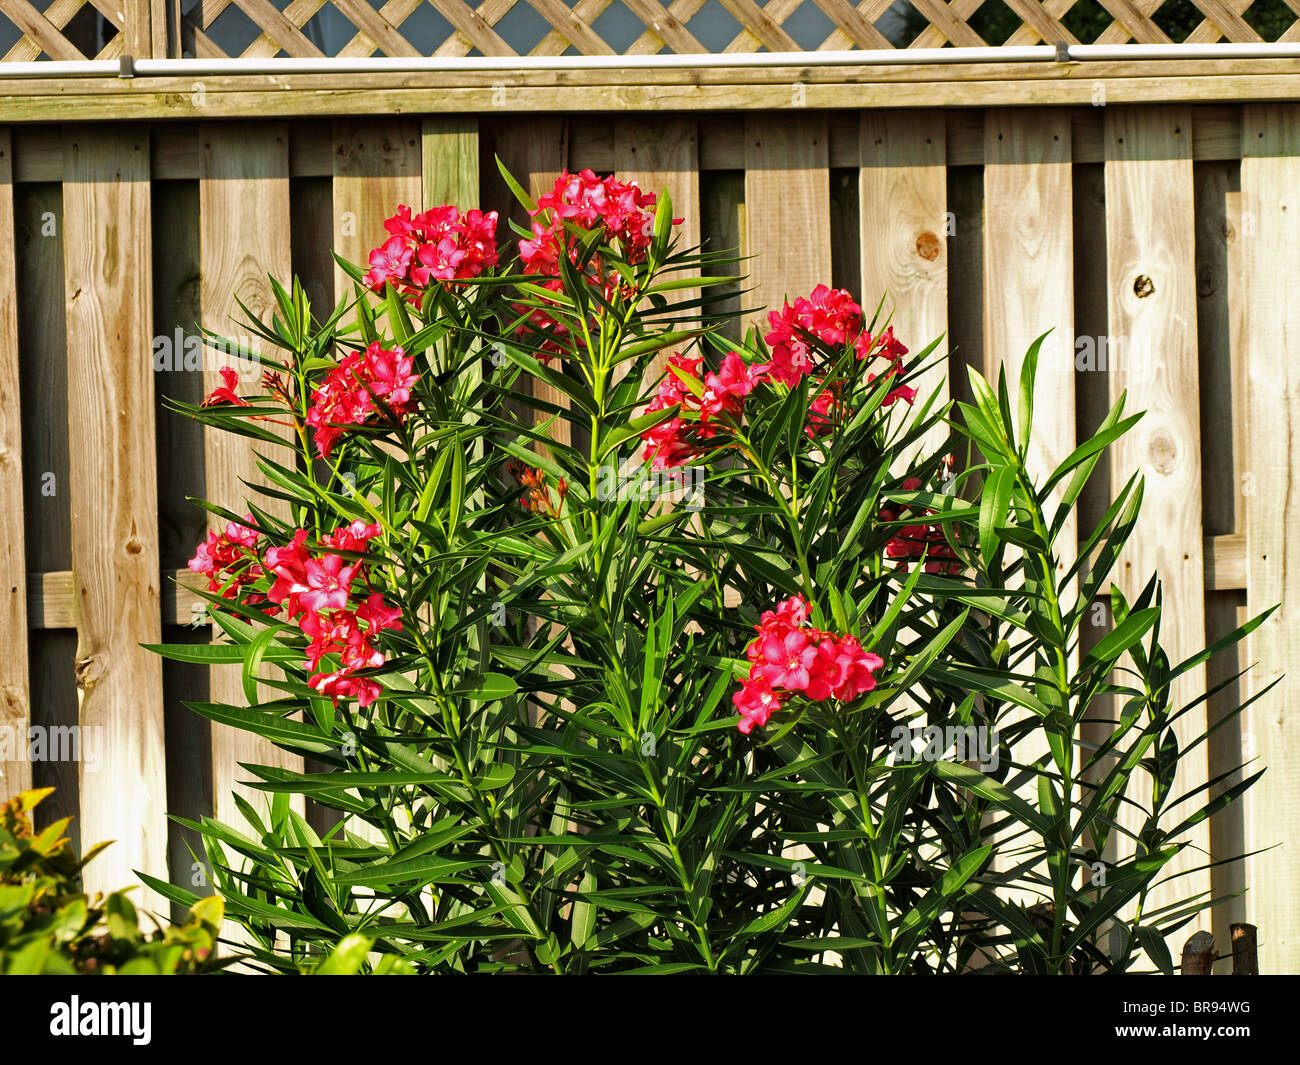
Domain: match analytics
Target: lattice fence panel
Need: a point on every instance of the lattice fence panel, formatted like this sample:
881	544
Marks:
105	29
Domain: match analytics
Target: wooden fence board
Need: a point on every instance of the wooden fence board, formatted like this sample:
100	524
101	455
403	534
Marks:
722	229
376	168
244	181
903	205
449	160
106	214
787	191
1028	290
15	693
535	153
658	154
1150	245
1270	215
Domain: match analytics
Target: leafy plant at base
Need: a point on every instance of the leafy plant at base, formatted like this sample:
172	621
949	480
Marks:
49	926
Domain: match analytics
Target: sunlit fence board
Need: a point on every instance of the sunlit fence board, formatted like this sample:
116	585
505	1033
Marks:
106	212
1270	215
1028	290
376	167
787	208
244	180
1150	244
904	220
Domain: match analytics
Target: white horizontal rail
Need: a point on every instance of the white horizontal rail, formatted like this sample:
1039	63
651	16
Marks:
182	68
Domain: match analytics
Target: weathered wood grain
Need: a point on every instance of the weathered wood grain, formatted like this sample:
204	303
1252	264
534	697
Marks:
787	192
1270	337
903	208
1150	246
113	485
376	168
245	181
1029	280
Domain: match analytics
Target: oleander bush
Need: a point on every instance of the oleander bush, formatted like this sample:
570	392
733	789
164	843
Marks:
614	646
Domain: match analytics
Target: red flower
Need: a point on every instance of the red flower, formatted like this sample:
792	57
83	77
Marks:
346	396
229	559
390	377
824	410
756	702
352	537
328	582
437	245
790	656
225	393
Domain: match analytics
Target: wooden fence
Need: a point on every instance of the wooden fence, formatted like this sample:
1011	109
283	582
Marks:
1160	243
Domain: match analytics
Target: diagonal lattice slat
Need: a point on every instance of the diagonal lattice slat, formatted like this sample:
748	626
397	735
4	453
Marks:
60	31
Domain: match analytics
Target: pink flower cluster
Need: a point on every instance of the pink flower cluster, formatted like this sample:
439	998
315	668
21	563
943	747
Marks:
439	244
347	395
619	209
828	315
835	318
315	589
231	561
913	541
317	592
791	657
722	394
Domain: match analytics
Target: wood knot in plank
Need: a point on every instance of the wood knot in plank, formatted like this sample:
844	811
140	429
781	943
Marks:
1162	451
1143	286
88	670
927	246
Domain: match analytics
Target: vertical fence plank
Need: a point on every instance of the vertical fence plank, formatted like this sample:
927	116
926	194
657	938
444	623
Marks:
659	153
1091	404
787	191
15	693
965	273
722	229
243	181
106	212
536	152
1029	276
1270	214
376	167
1150	246
43	363
1028	290
449	160
903	207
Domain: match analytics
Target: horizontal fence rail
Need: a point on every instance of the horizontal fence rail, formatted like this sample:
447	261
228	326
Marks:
1160	244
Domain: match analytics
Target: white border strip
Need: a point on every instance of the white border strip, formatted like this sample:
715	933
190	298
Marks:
145	68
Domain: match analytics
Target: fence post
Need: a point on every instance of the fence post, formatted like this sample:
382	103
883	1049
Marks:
1245	959
1198	955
